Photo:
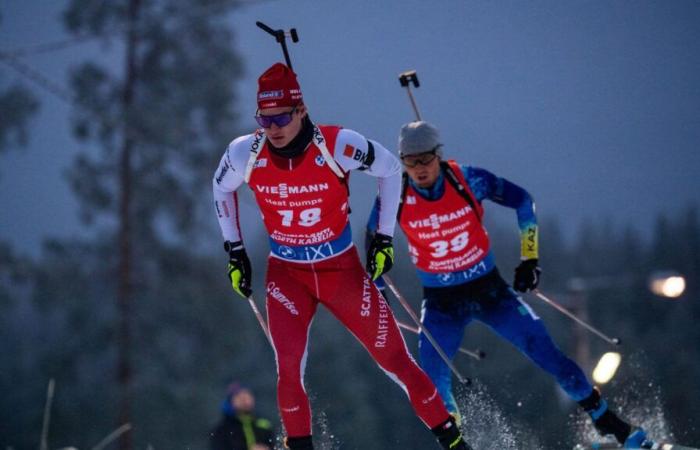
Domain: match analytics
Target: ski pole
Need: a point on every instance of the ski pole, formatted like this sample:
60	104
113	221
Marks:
427	334
112	436
406	79
569	314
44	444
476	354
260	318
281	37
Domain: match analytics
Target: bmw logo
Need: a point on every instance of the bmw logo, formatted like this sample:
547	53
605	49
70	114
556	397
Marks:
287	252
319	160
446	278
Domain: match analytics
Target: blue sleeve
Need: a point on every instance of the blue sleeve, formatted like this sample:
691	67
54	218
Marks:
486	185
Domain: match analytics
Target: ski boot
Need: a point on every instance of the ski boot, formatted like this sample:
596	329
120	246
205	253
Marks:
638	439
299	443
607	422
449	436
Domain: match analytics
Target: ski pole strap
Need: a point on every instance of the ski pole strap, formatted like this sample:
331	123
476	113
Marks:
255	148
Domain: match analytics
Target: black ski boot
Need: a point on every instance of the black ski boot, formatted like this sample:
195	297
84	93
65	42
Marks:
604	420
299	443
449	436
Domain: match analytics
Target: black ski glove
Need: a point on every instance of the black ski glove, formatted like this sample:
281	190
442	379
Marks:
239	271
380	255
527	276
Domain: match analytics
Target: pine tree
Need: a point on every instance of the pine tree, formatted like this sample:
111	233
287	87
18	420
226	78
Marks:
162	124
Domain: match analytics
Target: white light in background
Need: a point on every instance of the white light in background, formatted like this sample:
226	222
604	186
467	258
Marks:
668	284
606	368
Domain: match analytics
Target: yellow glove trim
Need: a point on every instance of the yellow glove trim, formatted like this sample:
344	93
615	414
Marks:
380	260
529	239
235	275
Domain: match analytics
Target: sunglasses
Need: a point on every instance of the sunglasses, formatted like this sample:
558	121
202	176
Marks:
281	120
421	158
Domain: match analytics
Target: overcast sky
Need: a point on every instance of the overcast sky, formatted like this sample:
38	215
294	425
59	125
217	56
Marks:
592	106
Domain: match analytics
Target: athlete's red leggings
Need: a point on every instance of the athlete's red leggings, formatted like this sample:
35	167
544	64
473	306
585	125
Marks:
341	284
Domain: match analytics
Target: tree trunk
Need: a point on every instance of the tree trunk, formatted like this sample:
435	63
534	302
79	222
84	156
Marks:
124	291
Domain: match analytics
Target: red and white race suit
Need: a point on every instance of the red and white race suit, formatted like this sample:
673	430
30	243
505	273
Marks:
304	207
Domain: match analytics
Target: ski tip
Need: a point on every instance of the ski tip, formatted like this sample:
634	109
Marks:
666	446
656	446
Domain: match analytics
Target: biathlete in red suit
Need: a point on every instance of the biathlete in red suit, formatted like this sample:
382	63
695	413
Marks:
298	173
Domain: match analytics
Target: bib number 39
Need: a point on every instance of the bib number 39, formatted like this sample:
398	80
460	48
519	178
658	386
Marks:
307	218
455	244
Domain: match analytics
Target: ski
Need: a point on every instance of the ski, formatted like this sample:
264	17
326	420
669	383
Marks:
666	446
659	446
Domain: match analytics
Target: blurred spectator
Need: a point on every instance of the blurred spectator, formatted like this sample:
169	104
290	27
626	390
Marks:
239	428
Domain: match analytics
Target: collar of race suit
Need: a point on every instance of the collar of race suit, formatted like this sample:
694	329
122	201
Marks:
300	142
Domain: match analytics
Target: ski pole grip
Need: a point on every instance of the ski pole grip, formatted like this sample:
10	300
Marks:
409	77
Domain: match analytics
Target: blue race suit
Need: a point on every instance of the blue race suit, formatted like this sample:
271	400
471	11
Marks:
452	300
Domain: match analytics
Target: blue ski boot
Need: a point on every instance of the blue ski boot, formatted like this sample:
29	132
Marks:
638	439
607	422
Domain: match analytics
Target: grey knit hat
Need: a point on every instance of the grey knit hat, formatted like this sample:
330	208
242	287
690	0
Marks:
419	137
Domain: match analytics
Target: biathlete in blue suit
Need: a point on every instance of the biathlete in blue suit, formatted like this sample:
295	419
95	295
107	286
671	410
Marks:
441	216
